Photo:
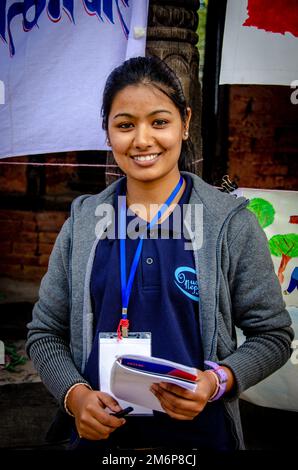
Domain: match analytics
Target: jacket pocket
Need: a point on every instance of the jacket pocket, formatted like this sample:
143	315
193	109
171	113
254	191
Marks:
225	343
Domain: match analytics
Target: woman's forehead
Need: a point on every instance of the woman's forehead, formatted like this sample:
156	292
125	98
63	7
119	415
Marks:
133	96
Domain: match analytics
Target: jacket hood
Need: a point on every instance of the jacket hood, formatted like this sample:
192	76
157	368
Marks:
217	205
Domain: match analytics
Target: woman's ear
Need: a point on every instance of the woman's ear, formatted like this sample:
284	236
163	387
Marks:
186	124
188	117
108	141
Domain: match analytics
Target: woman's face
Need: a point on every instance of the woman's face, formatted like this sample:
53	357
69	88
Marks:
145	131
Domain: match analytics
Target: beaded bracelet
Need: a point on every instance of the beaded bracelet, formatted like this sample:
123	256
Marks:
217	384
67	394
222	379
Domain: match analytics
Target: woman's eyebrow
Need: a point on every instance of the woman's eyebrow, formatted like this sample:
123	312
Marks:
157	111
123	115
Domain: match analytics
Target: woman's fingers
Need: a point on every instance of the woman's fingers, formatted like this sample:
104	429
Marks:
94	429
94	420
175	390
176	406
109	401
181	403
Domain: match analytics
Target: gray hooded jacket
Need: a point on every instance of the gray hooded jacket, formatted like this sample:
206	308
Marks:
237	284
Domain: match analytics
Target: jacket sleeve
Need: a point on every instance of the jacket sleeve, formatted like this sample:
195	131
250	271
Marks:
258	307
48	337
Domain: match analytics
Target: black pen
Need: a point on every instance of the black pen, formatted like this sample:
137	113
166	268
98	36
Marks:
122	413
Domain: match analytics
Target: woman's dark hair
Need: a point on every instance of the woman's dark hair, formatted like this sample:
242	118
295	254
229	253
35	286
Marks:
147	71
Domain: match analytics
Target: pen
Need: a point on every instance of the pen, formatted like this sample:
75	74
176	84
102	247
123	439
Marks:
123	412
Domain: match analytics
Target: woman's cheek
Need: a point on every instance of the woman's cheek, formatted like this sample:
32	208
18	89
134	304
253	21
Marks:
120	143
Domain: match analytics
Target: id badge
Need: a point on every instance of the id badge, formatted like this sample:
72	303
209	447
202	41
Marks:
110	347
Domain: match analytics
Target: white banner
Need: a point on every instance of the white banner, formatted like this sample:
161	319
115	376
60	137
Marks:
260	44
55	56
277	212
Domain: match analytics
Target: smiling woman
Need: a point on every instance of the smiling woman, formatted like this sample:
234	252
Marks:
180	301
146	142
147	138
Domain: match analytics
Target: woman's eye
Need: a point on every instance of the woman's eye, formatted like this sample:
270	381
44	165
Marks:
125	125
159	122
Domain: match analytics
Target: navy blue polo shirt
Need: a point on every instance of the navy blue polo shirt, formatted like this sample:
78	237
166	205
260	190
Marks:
164	300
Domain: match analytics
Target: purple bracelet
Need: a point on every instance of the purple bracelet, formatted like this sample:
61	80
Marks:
222	377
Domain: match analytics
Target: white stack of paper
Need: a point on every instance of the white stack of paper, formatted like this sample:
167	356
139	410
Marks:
133	375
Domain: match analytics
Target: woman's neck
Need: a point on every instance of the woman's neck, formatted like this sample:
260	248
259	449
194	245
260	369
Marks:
144	197
152	192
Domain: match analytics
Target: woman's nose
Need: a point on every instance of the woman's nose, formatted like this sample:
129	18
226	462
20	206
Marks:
143	137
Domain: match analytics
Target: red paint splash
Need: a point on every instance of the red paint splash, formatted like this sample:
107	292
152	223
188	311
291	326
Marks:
274	16
293	219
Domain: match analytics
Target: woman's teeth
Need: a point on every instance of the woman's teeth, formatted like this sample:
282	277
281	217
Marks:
146	158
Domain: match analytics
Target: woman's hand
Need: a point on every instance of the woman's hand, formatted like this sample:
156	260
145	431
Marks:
183	404
92	419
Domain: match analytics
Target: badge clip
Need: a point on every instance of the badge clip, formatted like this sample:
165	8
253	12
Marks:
122	330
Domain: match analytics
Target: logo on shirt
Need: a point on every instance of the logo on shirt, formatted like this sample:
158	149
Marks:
186	281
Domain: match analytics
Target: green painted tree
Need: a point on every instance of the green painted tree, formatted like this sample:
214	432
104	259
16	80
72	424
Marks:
285	246
263	210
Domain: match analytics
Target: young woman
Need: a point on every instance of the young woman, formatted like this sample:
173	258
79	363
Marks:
190	300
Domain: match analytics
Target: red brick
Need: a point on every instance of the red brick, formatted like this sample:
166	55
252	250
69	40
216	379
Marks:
5	247
49	226
13	179
21	236
5	235
273	170
47	237
54	216
263	137
14	271
28	273
17	215
27	237
20	259
34	273
24	248
12	226
43	260
5	214
45	248
50	221
29	226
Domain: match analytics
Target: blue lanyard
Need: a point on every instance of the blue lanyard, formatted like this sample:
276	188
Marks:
127	286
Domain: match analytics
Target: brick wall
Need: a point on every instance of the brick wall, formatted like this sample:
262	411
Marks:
34	203
263	137
13	178
26	241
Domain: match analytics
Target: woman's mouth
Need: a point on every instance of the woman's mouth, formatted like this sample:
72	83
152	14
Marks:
145	160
